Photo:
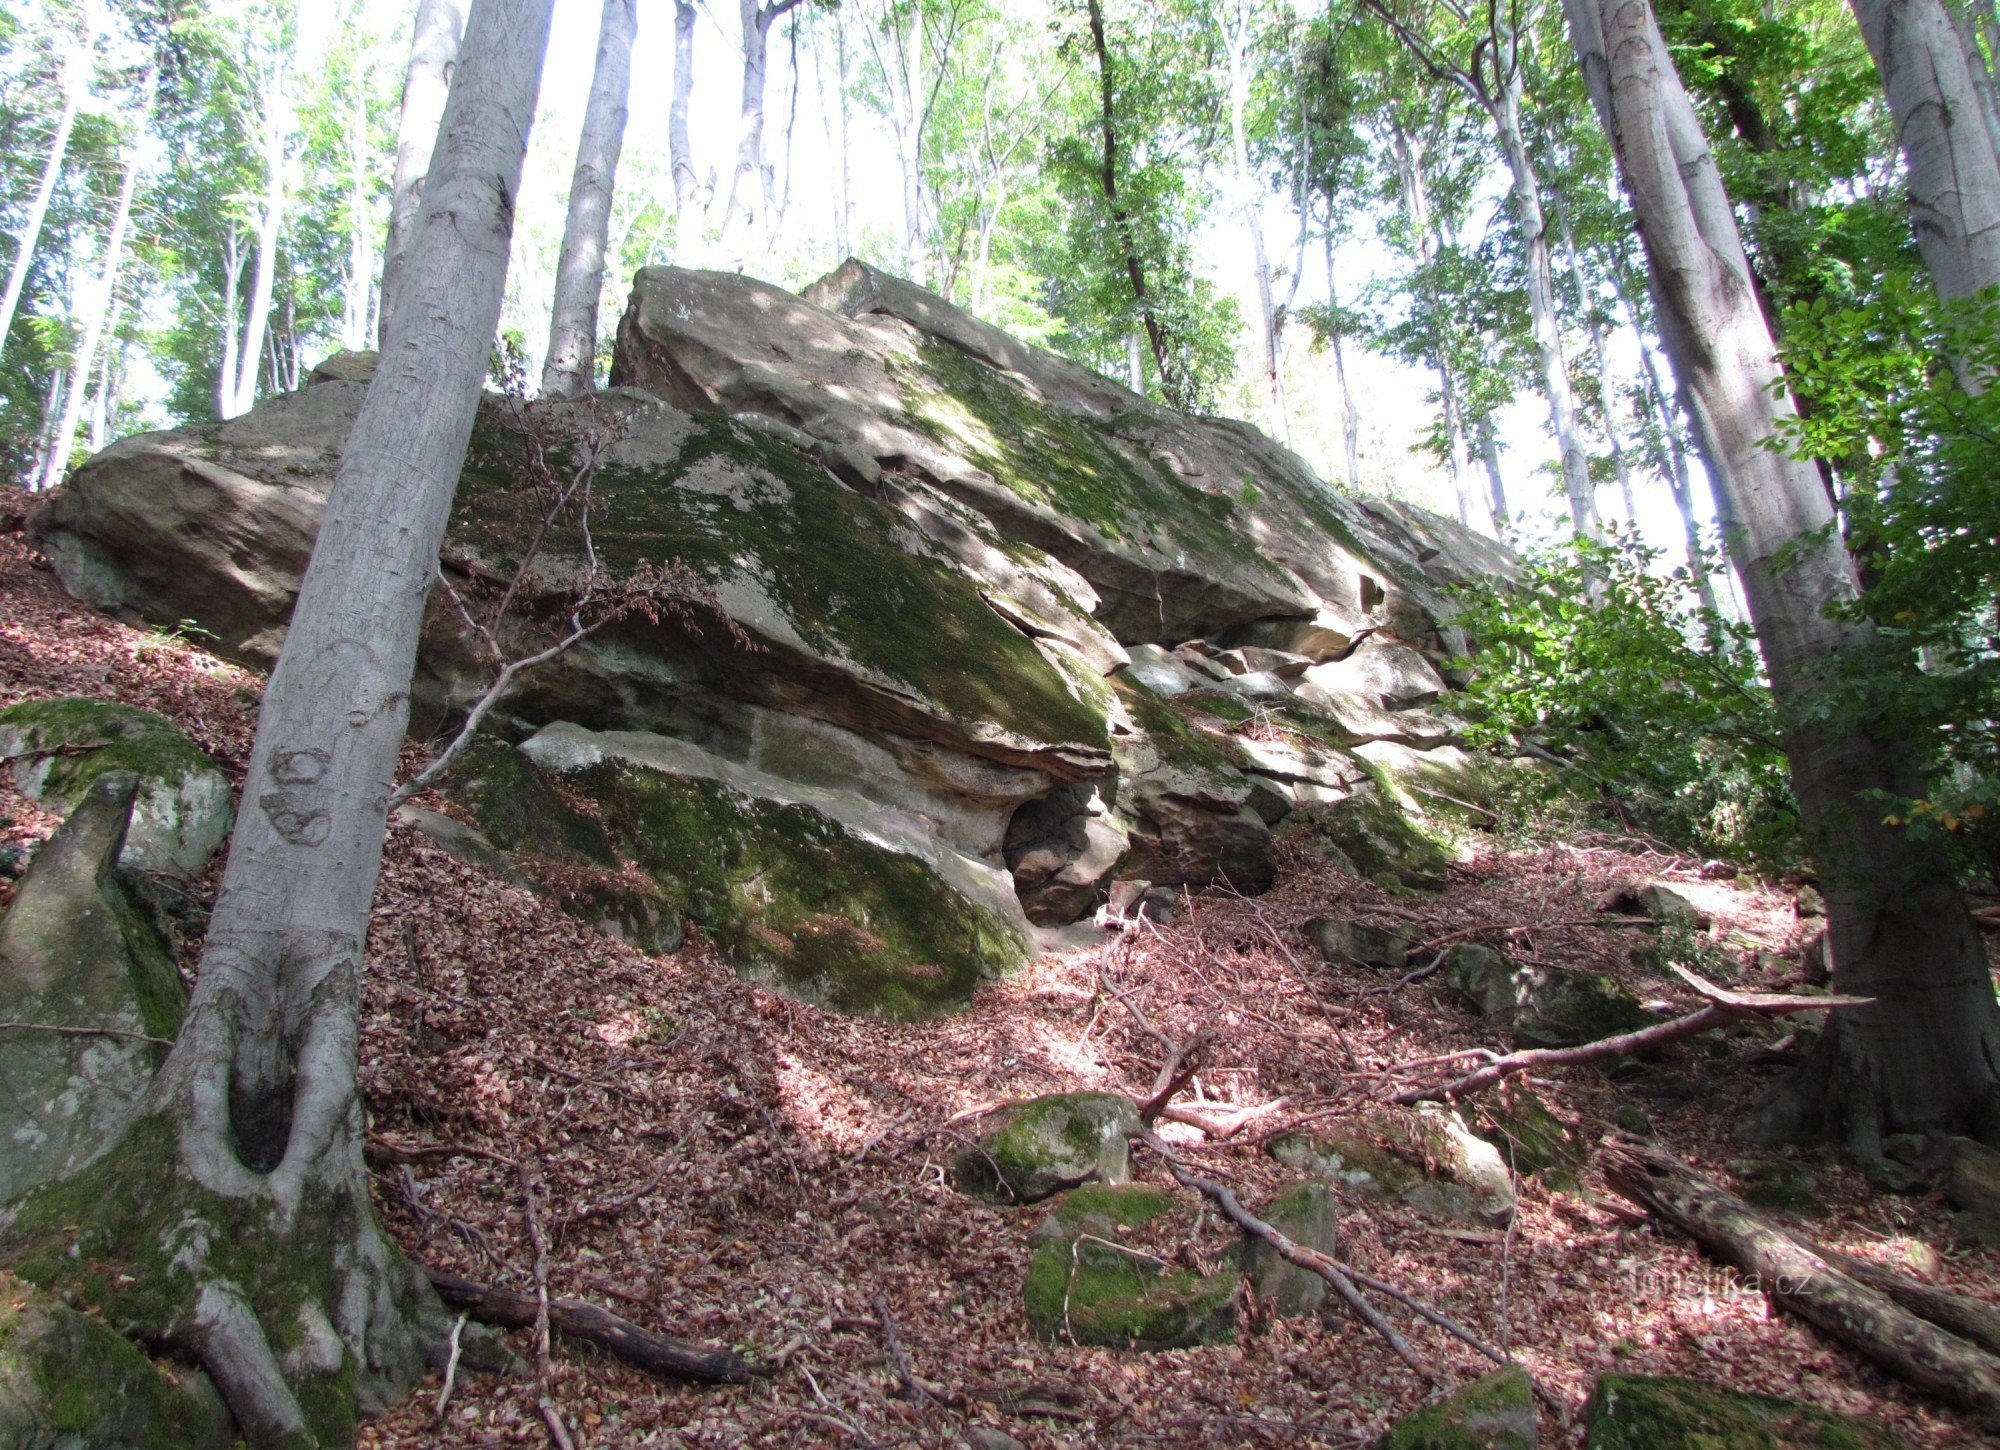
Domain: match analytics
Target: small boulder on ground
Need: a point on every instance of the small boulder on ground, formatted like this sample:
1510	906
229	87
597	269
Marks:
1087	1286
1971	1184
57	748
1542	1006
1638	1412
1306	1214
1423	1158
1654	900
1496	1412
1028	1151
1359	943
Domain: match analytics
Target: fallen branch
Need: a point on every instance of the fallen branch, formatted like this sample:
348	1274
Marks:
1724	1007
1971	1319
1312	1260
893	1343
1801	1281
654	1353
1182	1063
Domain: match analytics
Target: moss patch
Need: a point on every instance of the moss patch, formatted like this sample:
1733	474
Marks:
1047	1144
1493	1413
1379	837
1084	1285
841	568
81	739
1530	1138
1633	1412
791	895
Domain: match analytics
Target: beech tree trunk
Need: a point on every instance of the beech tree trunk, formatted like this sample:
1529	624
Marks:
746	184
245	1155
355	329
434	44
96	307
29	235
680	152
1235	28
275	121
1527	194
1948	144
1121	220
1350	416
571	365
1926	1055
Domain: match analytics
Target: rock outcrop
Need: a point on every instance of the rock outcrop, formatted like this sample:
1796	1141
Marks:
989	614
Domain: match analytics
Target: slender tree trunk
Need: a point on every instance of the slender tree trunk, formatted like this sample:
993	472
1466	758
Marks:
844	203
1976	64
276	123
1350	416
1121	220
1951	154
75	82
746	183
571	365
1927	1053
1582	494
246	1151
1135	364
689	204
1672	465
1455	434
1235	27
355	332
1496	485
1573	259
103	398
97	306
434	45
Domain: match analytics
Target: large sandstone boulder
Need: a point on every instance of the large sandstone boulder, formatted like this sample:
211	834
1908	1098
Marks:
963	578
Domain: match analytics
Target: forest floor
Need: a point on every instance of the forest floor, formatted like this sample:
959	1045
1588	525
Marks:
725	1165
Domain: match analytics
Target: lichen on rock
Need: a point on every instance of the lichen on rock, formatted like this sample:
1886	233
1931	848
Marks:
1028	1151
1087	1286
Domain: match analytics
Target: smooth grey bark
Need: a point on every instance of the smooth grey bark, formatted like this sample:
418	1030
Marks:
1235	27
1350	416
1493	80
96	307
434	46
359	293
28	235
1456	437
1527	194
680	151
1496	486
1976	63
571	364
1949	147
1926	1055
274	122
743	211
1674	466
248	1144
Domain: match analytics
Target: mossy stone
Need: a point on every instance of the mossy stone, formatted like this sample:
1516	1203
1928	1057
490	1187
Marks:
1032	1150
798	900
68	1382
1306	1214
60	747
1636	1412
1542	1006
1496	1412
1378	836
1423	1159
1085	1287
1531	1139
737	505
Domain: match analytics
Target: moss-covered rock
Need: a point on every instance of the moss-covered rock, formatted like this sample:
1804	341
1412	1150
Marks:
1542	1006
1496	1412
1532	1140
1636	1412
1306	1214
59	747
1379	835
1025	1152
68	1382
807	889
1423	1158
1086	1286
77	954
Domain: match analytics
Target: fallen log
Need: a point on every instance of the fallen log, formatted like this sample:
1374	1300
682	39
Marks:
1806	1283
1971	1319
654	1353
